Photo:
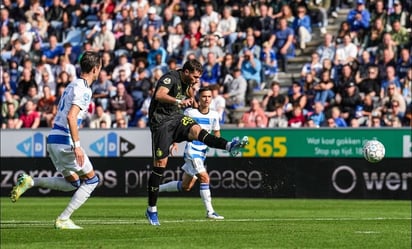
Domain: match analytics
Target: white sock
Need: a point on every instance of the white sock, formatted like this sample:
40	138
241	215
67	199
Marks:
173	186
78	199
206	197
55	183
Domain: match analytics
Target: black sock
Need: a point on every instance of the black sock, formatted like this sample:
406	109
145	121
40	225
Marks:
211	140
153	185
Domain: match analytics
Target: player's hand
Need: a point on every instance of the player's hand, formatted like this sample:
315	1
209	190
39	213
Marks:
172	149
186	103
78	153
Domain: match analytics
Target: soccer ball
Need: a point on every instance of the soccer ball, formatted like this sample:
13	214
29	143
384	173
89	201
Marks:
373	151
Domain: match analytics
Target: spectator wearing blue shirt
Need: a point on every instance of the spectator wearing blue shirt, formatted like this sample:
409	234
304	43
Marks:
335	115
211	71
53	52
318	116
154	51
359	20
391	78
302	27
282	43
251	70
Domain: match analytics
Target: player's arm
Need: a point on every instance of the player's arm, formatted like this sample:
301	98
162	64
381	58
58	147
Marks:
74	132
162	95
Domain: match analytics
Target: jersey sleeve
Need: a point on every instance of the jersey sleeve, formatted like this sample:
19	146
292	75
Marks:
167	81
81	97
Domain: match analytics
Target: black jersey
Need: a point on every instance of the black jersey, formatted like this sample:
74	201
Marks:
159	112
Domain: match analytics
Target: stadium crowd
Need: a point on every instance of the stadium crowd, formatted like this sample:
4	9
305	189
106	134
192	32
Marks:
359	76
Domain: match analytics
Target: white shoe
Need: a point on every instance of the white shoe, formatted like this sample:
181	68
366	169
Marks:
66	224
214	216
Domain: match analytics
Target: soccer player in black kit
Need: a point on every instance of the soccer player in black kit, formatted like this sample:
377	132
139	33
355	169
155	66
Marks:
175	91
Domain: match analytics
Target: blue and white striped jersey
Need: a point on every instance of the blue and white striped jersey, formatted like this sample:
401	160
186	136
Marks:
209	122
76	93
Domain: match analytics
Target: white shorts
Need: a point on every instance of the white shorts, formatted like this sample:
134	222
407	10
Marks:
194	166
62	156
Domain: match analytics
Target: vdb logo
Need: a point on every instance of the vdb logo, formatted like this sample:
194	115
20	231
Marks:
112	145
33	146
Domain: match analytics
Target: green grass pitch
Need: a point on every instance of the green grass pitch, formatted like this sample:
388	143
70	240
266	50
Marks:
249	223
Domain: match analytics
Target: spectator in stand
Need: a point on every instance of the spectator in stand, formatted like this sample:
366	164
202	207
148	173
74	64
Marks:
255	117
297	118
251	68
174	42
36	17
32	95
210	15
27	80
54	15
391	95
318	115
278	119
73	15
125	65
404	63
63	79
104	36
313	67
10	119
210	45
363	64
226	69
324	93
346	52
344	29
327	49
45	107
338	121
193	49
375	120
371	84
359	20
107	63
320	8
391	78
99	116
139	88
398	14
66	66
122	102
29	118
386	46
8	98
53	51
282	43
192	32
286	13
218	103
252	46
269	63
400	35
5	39
393	117
346	77
273	99
364	111
154	20
407	86
23	35
379	12
302	27
156	49
297	98
227	27
308	83
102	90
264	24
235	90
349	101
374	37
126	40
7	85
211	71
245	21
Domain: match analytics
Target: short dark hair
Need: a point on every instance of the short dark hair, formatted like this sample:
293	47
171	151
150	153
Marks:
89	60
193	66
206	88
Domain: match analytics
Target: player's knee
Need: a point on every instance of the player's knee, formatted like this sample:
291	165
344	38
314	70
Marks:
76	183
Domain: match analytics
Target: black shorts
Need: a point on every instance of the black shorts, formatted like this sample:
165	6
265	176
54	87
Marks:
176	129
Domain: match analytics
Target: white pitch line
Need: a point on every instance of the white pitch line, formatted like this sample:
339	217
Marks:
31	223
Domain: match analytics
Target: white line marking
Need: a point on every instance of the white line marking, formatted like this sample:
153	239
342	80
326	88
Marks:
45	223
367	232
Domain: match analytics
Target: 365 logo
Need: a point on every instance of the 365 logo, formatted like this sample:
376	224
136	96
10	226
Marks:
33	146
112	145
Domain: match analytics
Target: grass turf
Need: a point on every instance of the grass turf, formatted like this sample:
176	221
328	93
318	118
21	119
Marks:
249	223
